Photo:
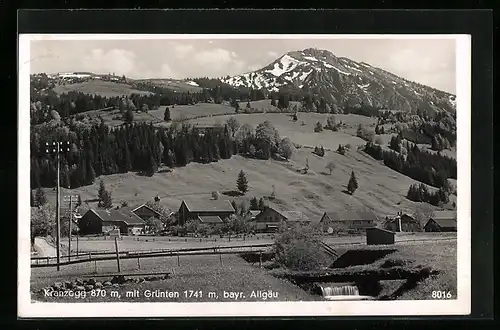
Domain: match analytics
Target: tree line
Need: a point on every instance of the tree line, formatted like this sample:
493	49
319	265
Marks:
432	169
100	150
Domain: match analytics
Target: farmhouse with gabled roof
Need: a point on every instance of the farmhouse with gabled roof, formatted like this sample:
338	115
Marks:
271	220
442	221
97	221
334	220
193	209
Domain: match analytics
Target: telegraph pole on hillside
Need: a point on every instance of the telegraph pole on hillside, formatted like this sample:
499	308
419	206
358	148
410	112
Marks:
70	199
57	148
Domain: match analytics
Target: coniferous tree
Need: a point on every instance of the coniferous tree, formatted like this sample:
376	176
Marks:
105	200
40	198
254	204
242	182
352	185
129	116
166	116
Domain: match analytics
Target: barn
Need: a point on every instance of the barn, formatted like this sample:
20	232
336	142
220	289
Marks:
145	212
272	220
104	221
379	236
338	221
192	210
403	222
442	221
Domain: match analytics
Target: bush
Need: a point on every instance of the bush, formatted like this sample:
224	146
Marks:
300	249
318	127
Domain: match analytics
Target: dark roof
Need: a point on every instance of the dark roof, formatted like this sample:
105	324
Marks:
445	223
294	216
351	216
209	206
124	215
210	219
380	229
444	215
136	207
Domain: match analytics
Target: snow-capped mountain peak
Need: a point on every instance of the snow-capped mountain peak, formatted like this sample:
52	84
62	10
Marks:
343	81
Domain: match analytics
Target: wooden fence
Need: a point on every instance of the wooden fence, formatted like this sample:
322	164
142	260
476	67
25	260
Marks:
102	256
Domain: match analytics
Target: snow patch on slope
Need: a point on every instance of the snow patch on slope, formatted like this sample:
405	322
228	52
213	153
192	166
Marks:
192	83
311	58
288	63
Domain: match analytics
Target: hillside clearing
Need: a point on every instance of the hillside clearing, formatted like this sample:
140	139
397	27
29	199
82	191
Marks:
302	134
99	87
175	85
381	189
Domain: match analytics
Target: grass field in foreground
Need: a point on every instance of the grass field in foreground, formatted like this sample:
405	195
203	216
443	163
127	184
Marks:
198	273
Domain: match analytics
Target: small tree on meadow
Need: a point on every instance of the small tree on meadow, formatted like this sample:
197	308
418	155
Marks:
341	149
330	166
287	148
105	200
242	182
166	116
215	195
318	127
352	185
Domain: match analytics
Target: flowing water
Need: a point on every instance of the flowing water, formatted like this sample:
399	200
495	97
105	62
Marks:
345	292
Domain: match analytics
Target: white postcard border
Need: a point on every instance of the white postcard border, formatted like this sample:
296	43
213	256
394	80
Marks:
460	306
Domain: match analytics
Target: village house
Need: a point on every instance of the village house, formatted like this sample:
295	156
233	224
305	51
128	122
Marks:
145	212
271	220
104	221
442	221
347	220
403	222
199	210
202	129
211	220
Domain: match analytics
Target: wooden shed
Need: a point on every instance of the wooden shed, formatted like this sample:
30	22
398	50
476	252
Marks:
379	236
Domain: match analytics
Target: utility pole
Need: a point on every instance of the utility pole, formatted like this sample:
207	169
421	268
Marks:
56	148
70	199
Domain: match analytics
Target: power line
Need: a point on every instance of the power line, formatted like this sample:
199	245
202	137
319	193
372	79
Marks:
56	148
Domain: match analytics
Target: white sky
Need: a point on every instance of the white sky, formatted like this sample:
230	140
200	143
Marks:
427	61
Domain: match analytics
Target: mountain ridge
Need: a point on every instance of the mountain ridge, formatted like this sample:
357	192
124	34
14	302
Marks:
343	81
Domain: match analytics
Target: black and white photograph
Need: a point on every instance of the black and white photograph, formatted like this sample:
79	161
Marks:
284	174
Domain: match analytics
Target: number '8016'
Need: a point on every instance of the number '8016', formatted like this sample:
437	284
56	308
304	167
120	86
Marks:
441	295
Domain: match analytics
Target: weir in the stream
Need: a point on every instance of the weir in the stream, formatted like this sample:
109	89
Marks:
344	292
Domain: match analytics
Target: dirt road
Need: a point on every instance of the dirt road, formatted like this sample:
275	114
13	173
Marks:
43	248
